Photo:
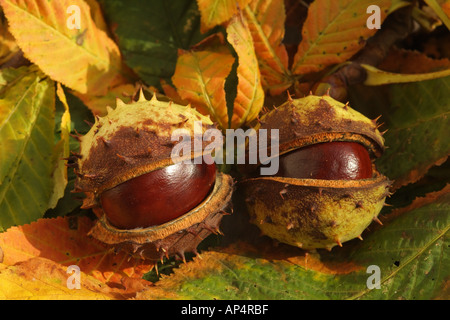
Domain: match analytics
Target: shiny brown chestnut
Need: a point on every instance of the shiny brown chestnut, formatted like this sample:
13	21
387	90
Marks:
337	160
159	196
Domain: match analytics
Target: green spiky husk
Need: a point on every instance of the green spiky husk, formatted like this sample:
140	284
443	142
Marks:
132	140
312	213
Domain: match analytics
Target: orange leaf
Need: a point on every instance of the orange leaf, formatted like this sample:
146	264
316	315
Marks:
268	31
446	8
84	59
215	12
333	32
250	95
200	78
65	241
171	92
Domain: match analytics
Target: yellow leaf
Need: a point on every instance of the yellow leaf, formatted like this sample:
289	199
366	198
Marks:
377	77
215	12
42	279
250	95
84	59
268	31
200	78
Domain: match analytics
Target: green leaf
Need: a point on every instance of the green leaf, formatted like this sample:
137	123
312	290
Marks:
416	116
435	179
150	33
419	127
27	106
410	252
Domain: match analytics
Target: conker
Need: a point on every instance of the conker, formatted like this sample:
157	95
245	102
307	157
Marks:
159	196
327	189
147	203
339	160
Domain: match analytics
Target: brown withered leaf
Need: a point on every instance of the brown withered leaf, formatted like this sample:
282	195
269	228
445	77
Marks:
412	62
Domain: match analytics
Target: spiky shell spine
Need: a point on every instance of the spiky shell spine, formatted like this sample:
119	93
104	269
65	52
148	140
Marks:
132	140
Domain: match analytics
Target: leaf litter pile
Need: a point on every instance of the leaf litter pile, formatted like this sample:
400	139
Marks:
233	60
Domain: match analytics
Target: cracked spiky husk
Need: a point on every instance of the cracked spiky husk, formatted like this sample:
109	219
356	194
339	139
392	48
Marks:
313	213
135	139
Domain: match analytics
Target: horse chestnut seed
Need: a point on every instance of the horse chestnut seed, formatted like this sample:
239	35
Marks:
159	196
148	204
339	160
327	189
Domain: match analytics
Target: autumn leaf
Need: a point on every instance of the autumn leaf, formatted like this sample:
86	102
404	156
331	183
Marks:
377	77
250	95
408	250
200	80
446	8
334	37
8	45
267	32
149	41
416	117
441	11
402	66
64	241
84	59
216	12
98	103
231	60
423	147
27	121
412	62
61	150
42	279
